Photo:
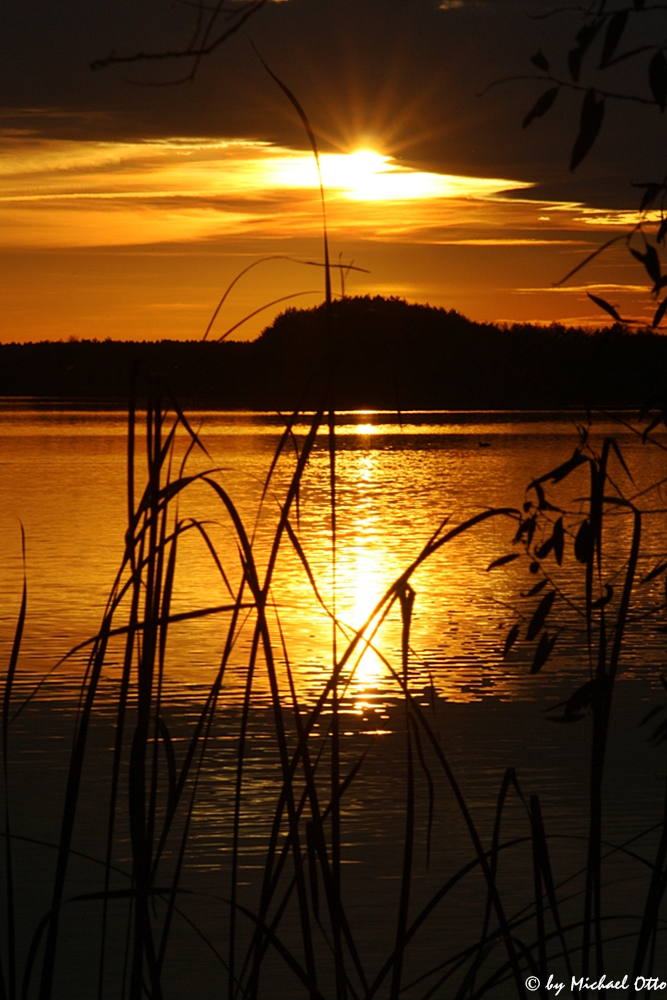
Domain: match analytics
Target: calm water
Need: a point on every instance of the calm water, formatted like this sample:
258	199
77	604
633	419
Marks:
63	476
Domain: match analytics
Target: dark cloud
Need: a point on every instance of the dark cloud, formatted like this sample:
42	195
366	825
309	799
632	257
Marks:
406	76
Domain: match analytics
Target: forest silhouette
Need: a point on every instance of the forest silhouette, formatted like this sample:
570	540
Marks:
387	354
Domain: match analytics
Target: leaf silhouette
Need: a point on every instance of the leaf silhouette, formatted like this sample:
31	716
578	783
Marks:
619	455
657	79
543	651
540	615
659	313
650	194
502	561
574	58
612	37
526	527
542	502
651	262
603	304
545	548
561	471
592	113
584	38
541	106
580	700
662	230
583	543
537	588
540	61
559	540
512	636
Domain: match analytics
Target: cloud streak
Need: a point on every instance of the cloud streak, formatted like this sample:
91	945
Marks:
88	193
136	238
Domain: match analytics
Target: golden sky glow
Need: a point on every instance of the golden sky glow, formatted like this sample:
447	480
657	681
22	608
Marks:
125	211
64	193
365	175
485	246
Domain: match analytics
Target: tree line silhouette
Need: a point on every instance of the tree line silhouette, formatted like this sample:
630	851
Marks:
384	354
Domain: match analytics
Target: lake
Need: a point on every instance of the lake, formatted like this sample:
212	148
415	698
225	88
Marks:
64	475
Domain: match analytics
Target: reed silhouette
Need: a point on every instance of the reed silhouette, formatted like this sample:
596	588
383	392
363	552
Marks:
303	912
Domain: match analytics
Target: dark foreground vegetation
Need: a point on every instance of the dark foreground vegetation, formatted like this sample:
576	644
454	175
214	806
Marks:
387	354
299	934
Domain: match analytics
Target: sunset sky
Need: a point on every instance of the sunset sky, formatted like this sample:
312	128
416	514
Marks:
130	201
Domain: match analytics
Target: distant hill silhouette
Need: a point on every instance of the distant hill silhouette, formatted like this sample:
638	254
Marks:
384	354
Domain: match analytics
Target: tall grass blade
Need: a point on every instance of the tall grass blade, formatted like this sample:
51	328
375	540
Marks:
509	779
592	899
336	912
406	597
406	878
430	785
9	989
313	145
141	795
69	811
260	633
306	929
508	938
540	842
334	733
537	882
115	772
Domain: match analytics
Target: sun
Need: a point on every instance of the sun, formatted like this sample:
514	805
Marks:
355	173
367	175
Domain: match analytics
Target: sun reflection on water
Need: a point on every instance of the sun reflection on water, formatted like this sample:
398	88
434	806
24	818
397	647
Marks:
365	429
393	486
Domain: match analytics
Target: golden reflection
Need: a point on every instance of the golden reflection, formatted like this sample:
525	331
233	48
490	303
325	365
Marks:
389	502
365	569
